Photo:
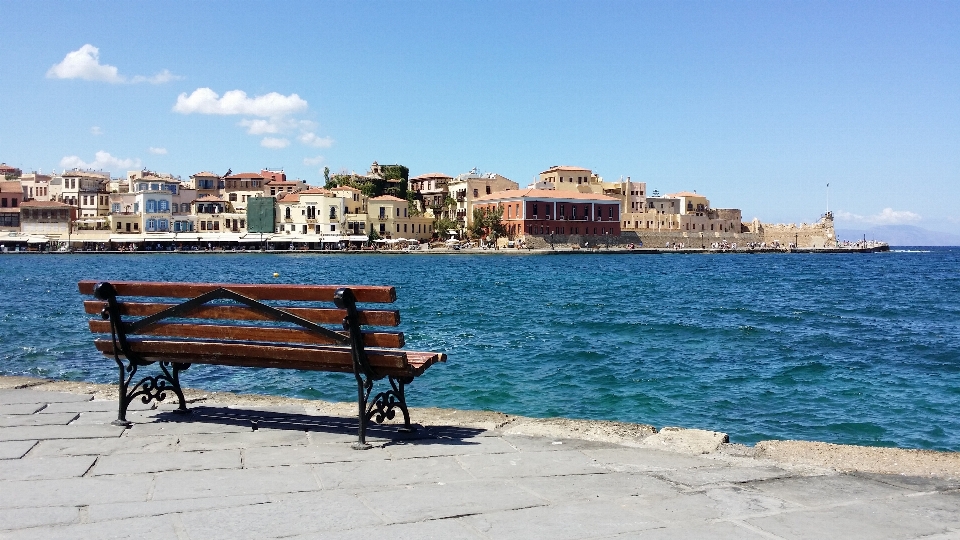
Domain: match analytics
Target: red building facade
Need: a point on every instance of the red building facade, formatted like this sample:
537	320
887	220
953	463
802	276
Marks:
542	212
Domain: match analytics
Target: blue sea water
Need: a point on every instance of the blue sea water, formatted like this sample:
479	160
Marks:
846	348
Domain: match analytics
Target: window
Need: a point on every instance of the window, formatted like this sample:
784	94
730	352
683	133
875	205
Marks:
383	227
488	190
163	205
151	225
136	208
534	210
333	228
610	212
404	227
233	197
333	212
203	225
286	213
216	225
151	206
573	212
383	212
162	224
476	193
398	227
119	225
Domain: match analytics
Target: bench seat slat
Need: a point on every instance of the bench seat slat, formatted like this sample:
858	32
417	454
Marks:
252	333
329	358
270	291
243	313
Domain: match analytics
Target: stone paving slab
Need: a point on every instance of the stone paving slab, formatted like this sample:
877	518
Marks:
226	482
275	456
74	491
443	529
103	446
15	449
561	522
387	473
45	467
639	459
723	474
94	405
21	396
26	433
888	519
149	528
523	464
435	447
25	518
166	461
126	510
604	487
21	408
287	516
57	419
442	500
262	438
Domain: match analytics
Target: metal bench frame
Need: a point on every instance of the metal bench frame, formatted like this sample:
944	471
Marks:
381	407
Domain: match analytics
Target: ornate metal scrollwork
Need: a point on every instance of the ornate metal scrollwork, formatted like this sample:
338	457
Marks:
150	388
383	405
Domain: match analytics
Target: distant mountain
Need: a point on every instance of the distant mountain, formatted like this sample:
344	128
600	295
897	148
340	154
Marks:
901	235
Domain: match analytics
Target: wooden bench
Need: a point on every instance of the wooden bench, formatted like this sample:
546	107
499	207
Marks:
253	325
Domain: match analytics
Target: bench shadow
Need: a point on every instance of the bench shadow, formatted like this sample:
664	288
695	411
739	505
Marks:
258	418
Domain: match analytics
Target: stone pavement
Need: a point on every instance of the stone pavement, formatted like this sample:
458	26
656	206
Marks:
288	472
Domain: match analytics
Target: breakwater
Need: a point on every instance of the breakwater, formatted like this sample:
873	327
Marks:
858	349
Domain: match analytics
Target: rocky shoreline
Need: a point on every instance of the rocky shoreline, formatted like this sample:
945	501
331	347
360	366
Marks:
790	454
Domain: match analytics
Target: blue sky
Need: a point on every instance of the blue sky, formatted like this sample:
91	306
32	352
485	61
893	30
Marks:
757	105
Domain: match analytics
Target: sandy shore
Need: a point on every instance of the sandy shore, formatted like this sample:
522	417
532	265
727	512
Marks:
801	454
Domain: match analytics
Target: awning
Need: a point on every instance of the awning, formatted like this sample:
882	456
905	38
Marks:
121	238
38	240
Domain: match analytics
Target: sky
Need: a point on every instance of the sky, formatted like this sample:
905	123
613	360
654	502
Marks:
758	105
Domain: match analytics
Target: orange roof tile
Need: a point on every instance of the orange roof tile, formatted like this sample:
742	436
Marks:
44	204
387	198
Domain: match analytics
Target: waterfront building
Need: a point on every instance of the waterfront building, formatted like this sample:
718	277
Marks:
431	193
47	218
206	183
468	187
560	215
354	209
237	188
278	188
390	218
35	186
9	171
11	196
87	191
568	178
312	212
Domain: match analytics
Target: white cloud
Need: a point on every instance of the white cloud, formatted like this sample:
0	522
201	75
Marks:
103	161
888	216
311	139
206	101
163	77
259	126
274	114
274	142
84	63
95	130
313	160
157	150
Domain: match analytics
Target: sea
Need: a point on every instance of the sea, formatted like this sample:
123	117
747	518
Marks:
853	348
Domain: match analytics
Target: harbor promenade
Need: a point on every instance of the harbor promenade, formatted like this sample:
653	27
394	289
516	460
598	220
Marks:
261	467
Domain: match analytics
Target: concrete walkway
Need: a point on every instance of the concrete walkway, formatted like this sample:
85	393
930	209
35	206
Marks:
288	472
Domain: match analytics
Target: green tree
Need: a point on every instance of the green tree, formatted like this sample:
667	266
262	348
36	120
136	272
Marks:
488	222
326	178
443	224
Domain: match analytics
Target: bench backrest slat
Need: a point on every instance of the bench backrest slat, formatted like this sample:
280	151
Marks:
270	291
242	313
251	333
